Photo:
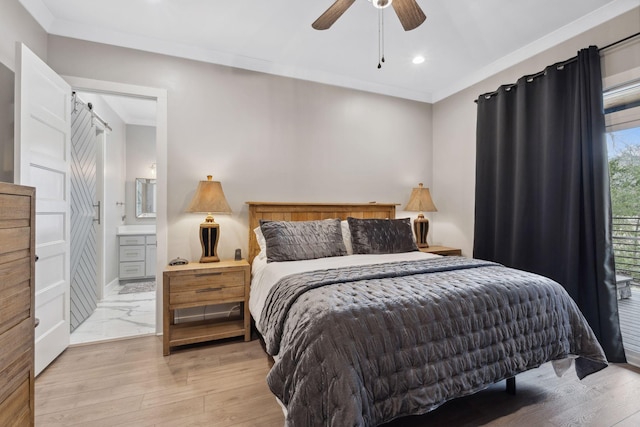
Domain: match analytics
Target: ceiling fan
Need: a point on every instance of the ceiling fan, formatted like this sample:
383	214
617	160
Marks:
408	11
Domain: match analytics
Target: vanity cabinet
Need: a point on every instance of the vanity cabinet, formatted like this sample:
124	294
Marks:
150	256
137	256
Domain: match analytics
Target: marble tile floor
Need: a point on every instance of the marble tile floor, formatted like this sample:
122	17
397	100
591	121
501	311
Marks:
119	316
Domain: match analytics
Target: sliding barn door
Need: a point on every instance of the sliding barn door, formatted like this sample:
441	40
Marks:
84	211
42	157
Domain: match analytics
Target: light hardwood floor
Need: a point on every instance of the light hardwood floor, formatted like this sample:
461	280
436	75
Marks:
130	383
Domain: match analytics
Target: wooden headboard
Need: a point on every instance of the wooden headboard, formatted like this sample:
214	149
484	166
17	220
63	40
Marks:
311	211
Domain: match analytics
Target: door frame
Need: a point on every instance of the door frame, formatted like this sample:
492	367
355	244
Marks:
620	120
101	137
160	96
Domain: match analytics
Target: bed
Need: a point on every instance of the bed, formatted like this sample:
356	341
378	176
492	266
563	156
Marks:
369	329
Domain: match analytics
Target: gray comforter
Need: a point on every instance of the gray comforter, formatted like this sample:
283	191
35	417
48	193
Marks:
360	346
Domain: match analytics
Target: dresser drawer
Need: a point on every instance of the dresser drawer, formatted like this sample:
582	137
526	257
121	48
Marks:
15	293
132	240
207	295
15	409
132	253
129	270
190	282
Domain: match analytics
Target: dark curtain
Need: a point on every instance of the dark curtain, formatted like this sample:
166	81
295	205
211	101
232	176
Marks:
542	187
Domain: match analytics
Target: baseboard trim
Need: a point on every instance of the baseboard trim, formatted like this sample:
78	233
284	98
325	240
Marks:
633	358
111	285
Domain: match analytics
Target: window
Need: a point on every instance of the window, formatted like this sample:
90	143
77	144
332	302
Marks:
622	114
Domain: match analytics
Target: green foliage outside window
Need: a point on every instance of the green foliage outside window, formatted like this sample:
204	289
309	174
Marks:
624	173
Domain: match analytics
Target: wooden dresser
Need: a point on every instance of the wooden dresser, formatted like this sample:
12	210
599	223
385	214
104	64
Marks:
17	307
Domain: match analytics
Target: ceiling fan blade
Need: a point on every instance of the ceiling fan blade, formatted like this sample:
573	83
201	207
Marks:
409	13
332	14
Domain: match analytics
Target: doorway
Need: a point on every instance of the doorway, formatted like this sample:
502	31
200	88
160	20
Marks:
123	305
132	312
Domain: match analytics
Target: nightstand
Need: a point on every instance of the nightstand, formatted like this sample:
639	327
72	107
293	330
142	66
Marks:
200	284
441	250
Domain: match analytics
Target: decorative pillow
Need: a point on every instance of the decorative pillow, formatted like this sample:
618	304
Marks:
381	236
300	240
346	236
261	242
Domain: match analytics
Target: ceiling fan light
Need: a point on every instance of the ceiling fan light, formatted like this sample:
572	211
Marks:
381	4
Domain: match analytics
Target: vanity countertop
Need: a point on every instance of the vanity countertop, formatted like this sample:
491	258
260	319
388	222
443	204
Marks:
126	230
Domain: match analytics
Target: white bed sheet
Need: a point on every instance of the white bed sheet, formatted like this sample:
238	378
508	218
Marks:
266	275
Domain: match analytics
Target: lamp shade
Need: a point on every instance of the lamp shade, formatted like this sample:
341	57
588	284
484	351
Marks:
420	200
209	198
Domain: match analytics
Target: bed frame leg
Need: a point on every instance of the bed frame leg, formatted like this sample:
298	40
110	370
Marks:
511	386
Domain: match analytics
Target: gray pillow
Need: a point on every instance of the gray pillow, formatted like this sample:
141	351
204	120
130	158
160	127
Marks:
300	240
381	236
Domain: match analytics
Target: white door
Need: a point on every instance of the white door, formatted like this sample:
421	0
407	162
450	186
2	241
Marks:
42	154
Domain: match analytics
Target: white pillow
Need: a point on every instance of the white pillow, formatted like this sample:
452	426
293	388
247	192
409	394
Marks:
346	237
261	242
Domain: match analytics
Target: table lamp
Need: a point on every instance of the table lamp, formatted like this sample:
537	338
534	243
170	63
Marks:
420	201
209	198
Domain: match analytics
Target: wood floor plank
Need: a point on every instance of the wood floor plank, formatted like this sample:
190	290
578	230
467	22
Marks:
150	416
88	414
224	384
632	421
135	381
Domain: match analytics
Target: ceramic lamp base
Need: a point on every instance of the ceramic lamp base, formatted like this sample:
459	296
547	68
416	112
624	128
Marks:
421	229
209	233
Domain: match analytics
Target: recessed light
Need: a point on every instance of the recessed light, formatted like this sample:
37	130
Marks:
418	59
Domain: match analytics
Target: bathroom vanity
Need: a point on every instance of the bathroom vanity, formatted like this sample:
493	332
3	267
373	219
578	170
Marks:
137	251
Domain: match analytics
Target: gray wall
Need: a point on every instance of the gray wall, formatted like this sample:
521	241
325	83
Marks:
266	138
7	119
454	130
15	25
271	138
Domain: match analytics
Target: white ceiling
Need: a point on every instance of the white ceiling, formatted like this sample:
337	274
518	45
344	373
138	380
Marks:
133	111
463	41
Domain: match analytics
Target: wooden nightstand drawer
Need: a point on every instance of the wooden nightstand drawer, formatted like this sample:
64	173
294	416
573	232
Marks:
204	295
442	250
189	282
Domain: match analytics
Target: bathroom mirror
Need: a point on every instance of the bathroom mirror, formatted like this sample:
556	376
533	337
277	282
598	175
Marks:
145	198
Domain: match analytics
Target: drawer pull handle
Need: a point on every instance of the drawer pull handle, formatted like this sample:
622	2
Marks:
208	274
199	291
